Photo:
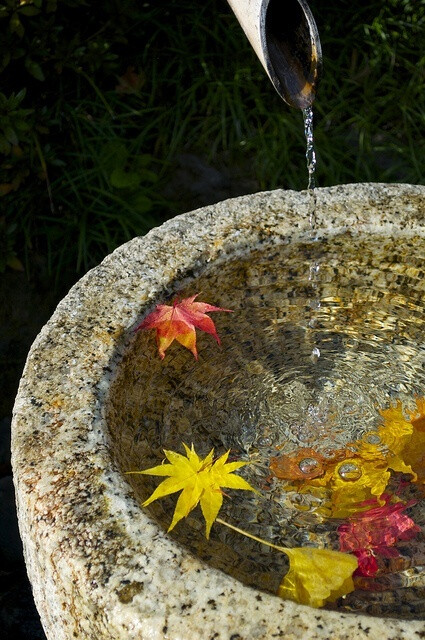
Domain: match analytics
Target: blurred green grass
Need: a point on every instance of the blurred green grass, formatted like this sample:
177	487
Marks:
100	169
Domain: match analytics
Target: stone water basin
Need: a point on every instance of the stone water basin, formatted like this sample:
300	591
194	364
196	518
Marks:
325	333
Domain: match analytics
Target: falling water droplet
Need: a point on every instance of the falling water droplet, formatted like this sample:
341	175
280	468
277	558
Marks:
313	271
349	471
315	304
315	354
308	465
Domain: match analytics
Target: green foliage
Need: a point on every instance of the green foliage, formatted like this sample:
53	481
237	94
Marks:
41	37
14	122
101	196
371	102
15	131
76	177
8	257
102	98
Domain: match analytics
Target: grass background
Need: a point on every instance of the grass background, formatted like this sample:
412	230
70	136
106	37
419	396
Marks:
100	159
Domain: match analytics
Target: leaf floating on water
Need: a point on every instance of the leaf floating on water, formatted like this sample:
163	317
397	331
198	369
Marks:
199	480
317	576
179	321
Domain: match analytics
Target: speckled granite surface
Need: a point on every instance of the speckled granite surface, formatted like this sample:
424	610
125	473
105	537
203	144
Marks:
99	566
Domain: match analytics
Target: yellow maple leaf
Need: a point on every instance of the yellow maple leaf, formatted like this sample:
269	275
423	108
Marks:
405	439
200	481
370	476
342	494
381	453
413	452
317	576
396	431
418	421
369	450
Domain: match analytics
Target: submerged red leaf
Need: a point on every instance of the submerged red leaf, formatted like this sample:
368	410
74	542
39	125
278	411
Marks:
179	321
379	527
368	564
374	532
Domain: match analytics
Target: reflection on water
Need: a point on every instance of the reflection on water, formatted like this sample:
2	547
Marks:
264	394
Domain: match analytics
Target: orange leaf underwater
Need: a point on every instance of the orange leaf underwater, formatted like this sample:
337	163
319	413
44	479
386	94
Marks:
291	467
305	464
179	321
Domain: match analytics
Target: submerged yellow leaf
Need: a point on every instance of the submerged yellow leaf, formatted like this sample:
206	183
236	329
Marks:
317	576
348	493
396	431
405	439
343	492
418	421
199	480
413	455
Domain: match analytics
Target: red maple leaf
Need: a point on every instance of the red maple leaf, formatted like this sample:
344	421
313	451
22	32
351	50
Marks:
368	564
179	321
379	527
375	533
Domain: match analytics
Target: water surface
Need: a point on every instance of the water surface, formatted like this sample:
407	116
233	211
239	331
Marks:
263	394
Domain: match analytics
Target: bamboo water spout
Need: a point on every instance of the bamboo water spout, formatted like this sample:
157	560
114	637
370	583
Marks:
285	38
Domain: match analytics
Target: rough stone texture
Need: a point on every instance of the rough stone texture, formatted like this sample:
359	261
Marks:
99	566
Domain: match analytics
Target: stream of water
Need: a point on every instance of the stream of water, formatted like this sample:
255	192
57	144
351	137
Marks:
314	267
311	166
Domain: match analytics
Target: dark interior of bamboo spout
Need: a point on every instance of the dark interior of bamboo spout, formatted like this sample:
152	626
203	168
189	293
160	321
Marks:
293	50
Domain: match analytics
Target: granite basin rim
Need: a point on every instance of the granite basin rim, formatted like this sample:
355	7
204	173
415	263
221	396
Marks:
99	566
